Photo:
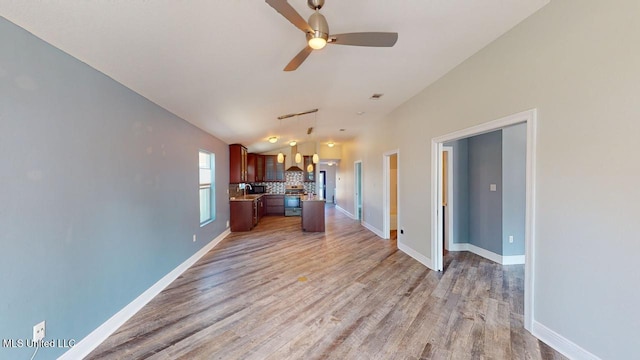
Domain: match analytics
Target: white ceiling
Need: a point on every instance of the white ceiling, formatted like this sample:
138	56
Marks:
218	64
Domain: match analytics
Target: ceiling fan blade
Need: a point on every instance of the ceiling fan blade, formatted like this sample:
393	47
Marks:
378	39
298	59
286	10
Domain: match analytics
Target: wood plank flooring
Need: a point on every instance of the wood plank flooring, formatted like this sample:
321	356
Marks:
279	293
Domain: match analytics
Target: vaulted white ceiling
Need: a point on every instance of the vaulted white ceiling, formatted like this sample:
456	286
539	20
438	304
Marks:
218	64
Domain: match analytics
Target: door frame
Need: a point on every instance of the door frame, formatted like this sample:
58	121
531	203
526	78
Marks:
448	244
358	195
528	117
323	184
386	197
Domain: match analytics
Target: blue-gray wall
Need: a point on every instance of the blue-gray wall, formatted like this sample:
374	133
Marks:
485	207
98	189
514	167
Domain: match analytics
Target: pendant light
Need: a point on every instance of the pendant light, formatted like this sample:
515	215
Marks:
298	158
310	168
280	157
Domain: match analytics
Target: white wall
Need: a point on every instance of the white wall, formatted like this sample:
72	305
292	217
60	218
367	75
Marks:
578	63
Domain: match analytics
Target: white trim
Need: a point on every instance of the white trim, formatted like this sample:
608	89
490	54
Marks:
513	260
373	229
530	118
415	255
436	208
459	247
350	215
530	220
563	345
355	191
497	258
100	334
386	194
450	194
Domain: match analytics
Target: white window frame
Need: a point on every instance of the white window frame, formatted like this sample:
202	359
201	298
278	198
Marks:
204	185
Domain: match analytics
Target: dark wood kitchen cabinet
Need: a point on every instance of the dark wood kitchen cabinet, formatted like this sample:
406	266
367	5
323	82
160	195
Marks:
274	205
255	168
242	215
273	170
313	215
259	168
237	164
251	168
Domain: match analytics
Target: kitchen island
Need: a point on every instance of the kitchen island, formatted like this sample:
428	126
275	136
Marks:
312	213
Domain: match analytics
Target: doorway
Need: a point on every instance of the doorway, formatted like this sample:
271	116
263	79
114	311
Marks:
358	189
437	146
391	190
447	193
322	181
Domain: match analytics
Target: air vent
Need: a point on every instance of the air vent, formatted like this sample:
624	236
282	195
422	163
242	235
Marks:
376	96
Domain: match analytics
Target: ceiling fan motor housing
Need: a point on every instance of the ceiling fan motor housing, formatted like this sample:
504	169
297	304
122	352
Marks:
319	25
315	4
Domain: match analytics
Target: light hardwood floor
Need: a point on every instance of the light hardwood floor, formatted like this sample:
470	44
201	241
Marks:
279	293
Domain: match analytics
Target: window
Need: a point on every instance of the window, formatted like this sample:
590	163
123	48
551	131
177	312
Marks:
207	187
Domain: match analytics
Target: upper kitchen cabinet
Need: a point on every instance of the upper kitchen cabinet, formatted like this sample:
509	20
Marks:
273	170
309	175
238	169
255	168
260	169
251	167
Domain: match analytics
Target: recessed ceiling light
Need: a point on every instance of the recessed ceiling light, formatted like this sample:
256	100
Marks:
292	143
343	129
331	144
376	96
273	139
360	113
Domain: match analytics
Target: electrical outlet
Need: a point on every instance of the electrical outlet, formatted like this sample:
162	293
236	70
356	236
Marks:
511	239
194	237
38	331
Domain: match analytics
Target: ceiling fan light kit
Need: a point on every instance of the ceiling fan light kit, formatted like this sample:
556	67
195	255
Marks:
317	32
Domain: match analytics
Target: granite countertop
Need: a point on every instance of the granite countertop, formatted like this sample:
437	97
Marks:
311	198
248	197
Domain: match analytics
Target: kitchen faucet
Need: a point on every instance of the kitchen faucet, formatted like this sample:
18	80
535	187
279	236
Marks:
244	187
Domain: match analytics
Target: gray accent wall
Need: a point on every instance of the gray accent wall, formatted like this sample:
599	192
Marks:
497	158
99	193
485	206
514	166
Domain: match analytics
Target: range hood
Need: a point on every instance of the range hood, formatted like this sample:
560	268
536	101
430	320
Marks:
294	167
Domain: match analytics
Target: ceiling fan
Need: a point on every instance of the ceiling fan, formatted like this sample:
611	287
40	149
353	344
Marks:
317	32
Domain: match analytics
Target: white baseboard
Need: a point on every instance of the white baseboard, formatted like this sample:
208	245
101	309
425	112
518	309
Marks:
560	343
416	255
513	260
373	229
100	334
345	212
504	260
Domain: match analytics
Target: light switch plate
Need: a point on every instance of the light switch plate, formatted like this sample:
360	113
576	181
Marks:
493	187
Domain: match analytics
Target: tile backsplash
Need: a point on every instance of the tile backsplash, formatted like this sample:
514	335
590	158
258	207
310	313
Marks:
273	187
